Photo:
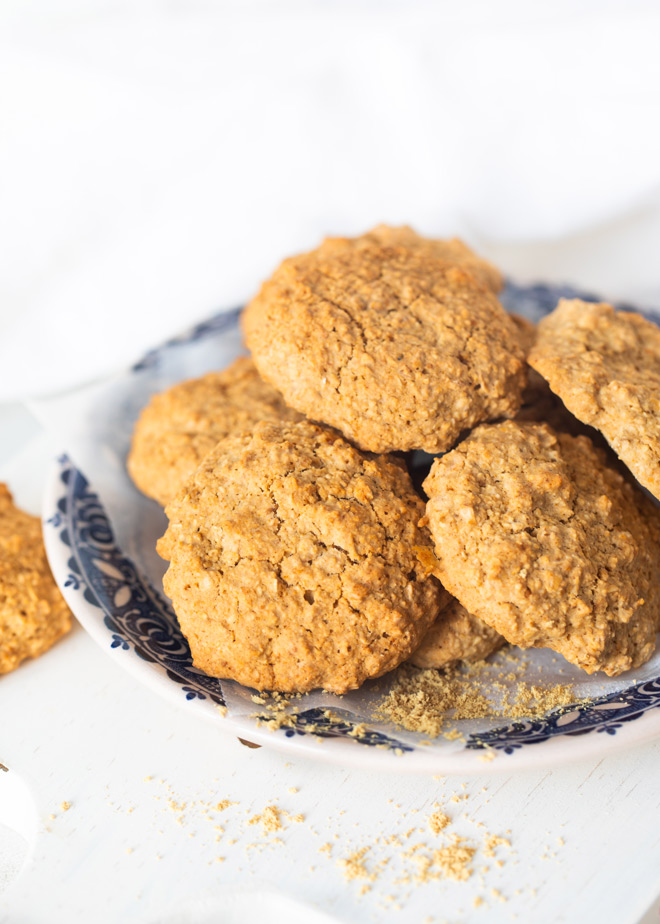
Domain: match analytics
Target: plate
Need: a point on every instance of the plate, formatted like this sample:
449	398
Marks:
100	535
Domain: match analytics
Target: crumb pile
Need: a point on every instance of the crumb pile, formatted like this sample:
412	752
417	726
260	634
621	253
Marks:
424	700
431	702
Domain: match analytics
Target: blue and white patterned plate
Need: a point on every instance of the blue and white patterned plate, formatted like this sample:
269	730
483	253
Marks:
100	535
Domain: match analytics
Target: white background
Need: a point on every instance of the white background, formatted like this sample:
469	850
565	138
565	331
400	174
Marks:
157	159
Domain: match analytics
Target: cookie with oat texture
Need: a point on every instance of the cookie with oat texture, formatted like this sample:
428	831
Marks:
540	539
393	345
294	561
605	367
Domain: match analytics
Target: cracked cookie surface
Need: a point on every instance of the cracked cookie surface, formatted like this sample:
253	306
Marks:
456	635
294	561
179	426
453	250
605	367
398	348
541	540
33	614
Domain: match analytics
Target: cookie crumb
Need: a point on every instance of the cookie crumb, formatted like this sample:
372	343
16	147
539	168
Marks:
223	804
354	866
438	821
492	841
270	819
454	734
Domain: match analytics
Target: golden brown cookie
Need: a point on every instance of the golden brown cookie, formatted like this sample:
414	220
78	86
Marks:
605	366
537	537
33	614
293	563
456	635
179	426
399	349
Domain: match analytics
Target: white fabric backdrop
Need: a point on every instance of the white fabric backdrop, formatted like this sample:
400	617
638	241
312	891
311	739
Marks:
158	158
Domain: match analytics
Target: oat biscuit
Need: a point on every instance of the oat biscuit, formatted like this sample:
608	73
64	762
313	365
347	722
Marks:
456	635
33	614
294	564
399	349
605	366
179	426
540	539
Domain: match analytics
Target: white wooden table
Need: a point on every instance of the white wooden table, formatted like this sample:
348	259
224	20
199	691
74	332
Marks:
140	842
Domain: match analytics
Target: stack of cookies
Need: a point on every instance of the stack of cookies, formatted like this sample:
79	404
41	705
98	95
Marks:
301	555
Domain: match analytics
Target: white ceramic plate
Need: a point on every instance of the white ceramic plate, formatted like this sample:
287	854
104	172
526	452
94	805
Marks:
100	536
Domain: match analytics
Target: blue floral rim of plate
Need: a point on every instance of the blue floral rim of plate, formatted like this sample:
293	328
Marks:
138	617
